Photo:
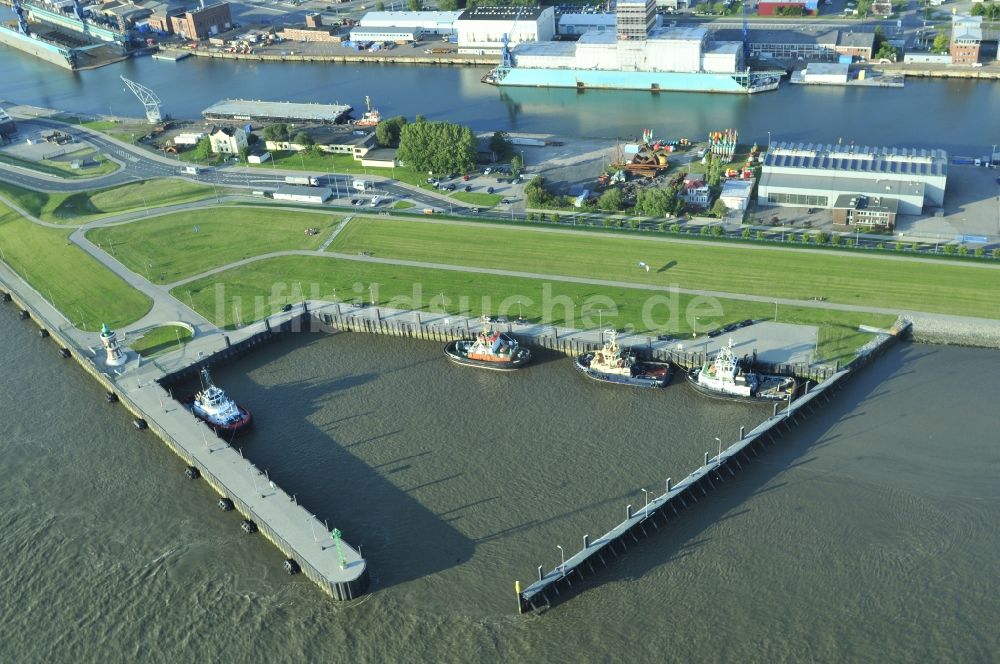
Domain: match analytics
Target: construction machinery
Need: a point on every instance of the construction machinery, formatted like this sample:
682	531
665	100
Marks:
647	158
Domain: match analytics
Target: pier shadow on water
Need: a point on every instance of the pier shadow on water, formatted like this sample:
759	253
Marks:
298	439
683	534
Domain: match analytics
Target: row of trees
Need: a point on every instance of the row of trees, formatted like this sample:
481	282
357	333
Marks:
988	10
279	132
882	47
437	147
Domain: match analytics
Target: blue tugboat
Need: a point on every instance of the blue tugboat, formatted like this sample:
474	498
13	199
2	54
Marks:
612	364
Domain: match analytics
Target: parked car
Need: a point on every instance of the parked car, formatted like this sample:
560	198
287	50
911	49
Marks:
475	210
355	201
664	337
465	178
746	323
716	332
468	188
489	190
505	201
450	187
286	308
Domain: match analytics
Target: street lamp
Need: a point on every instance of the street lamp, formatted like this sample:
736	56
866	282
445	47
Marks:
645	508
600	322
718	459
694	328
775	311
562	557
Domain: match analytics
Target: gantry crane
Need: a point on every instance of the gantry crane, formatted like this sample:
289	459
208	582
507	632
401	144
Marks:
149	100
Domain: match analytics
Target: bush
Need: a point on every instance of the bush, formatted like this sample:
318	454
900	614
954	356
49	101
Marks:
746	234
761	235
705	230
835	240
804	238
996	253
633	224
979	252
849	242
898	246
555	217
609	222
821	238
880	245
717	231
948	249
963	250
675	228
914	247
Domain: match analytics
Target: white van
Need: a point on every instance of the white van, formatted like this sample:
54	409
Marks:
375	201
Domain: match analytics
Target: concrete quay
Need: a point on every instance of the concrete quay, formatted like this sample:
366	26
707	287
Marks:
307	543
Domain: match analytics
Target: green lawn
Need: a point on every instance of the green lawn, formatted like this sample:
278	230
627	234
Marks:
341	163
160	340
403	205
62	168
80	287
262	288
81	207
941	287
476	198
181	244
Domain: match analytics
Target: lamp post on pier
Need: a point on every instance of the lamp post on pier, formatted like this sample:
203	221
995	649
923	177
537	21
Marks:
562	559
645	508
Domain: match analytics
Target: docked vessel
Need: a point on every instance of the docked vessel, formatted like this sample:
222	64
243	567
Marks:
371	116
214	407
725	377
612	364
636	57
491	349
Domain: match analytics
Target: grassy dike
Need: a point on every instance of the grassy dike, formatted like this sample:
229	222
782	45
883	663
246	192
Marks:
254	291
76	284
75	208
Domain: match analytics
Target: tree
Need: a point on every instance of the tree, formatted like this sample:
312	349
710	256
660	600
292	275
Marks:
304	139
719	208
501	146
203	150
414	5
387	132
941	43
244	153
653	202
276	132
447	5
516	165
437	147
379	6
611	200
864	6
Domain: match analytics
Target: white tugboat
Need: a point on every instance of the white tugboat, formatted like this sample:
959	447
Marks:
489	350
371	117
724	377
212	406
612	364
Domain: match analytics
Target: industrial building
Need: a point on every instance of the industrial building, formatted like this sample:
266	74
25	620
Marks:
275	111
808	175
826	72
202	22
736	193
303	194
635	18
429	23
481	30
779	7
395	35
820	44
329	138
966	38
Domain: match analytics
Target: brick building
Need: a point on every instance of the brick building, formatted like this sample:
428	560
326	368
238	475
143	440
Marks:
966	36
202	23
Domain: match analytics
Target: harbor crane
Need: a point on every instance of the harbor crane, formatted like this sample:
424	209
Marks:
22	19
507	61
148	99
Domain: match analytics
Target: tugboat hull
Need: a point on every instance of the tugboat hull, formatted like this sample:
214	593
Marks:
651	374
227	431
520	358
771	389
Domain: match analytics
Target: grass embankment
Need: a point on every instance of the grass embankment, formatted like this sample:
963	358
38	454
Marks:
161	339
254	291
81	207
76	284
181	244
475	198
403	205
62	168
938	287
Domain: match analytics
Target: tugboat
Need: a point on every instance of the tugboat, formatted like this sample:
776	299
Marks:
371	117
489	350
212	406
725	377
612	364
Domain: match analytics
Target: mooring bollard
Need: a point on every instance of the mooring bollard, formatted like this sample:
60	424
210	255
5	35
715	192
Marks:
706	458
628	512
586	542
540	573
668	484
743	432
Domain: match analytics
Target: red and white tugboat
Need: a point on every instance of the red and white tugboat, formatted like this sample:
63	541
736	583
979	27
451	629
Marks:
490	350
213	407
613	364
371	118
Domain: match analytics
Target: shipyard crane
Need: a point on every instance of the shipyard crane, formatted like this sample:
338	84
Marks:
22	20
746	35
507	60
148	99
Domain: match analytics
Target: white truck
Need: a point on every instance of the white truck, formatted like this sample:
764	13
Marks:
191	170
306	180
361	185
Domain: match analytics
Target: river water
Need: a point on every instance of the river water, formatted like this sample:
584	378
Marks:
870	533
953	114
